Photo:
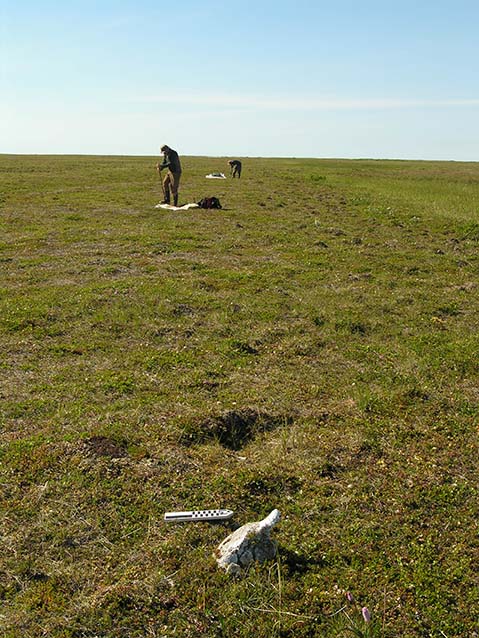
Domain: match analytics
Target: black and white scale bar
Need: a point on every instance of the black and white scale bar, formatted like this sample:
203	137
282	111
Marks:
198	516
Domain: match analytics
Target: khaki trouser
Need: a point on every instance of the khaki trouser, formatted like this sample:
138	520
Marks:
171	182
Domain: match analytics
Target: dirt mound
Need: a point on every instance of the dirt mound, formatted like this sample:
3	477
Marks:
105	446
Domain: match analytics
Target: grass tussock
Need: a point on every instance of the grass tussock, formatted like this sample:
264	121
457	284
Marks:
313	347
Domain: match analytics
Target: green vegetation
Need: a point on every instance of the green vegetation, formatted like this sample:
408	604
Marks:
312	347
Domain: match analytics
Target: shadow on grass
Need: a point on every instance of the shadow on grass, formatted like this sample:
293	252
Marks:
233	429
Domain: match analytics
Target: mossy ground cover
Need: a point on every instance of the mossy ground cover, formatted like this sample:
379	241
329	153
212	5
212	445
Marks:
311	347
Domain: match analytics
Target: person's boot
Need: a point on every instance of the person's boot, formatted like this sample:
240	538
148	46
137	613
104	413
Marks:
175	199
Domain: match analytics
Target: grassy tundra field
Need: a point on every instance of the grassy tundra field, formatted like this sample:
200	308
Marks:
312	347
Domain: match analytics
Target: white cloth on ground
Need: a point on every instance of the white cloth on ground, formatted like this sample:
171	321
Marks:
170	207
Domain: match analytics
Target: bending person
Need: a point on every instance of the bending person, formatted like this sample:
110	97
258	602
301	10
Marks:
171	181
235	168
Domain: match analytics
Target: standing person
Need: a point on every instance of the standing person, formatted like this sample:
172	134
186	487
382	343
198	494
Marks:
171	182
235	168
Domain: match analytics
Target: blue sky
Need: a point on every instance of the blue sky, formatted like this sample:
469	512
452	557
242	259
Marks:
260	78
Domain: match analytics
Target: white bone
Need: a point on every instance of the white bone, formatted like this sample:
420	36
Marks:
248	543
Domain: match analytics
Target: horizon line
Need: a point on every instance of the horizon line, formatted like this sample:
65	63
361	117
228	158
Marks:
251	157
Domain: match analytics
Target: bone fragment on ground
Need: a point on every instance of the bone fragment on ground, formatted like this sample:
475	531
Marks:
249	543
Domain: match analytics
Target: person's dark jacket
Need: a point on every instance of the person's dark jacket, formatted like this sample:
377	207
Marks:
171	161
